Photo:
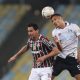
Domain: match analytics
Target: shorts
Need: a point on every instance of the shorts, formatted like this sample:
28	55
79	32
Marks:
70	63
41	73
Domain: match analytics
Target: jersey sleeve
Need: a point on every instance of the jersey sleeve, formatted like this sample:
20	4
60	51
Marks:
76	29
27	44
48	43
53	33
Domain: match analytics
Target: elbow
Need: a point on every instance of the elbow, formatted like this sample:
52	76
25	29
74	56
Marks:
60	49
56	51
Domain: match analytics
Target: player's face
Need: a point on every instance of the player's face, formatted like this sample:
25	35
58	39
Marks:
57	21
31	32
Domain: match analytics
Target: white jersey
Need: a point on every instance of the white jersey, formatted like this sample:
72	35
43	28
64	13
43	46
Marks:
68	38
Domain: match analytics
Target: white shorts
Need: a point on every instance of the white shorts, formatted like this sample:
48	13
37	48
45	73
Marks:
41	73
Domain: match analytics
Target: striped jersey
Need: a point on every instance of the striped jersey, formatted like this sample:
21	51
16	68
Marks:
39	48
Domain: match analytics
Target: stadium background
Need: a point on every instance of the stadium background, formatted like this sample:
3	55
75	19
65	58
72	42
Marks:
14	15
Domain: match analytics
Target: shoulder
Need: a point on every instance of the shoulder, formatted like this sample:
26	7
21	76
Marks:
42	37
29	40
54	30
74	26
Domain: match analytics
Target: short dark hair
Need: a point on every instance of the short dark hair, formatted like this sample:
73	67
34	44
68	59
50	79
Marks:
56	14
35	26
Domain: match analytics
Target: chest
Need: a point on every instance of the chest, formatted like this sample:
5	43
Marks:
65	34
35	45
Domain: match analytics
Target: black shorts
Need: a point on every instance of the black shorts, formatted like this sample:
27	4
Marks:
70	63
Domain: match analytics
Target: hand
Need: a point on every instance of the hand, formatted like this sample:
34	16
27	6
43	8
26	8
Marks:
56	39
12	59
78	57
41	59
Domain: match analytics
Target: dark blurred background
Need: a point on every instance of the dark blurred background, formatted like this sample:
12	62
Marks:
14	15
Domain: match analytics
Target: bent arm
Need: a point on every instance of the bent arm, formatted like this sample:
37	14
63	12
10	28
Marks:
54	52
55	39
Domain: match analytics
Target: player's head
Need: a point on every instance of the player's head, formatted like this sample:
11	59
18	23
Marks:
33	30
57	20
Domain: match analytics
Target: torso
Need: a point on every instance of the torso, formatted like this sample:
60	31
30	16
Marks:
40	48
68	39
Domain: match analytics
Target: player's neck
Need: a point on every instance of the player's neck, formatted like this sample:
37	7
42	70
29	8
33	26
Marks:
37	37
63	26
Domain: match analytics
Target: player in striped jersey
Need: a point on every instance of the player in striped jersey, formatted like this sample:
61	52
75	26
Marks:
42	50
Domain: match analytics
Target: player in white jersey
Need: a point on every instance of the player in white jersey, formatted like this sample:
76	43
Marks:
67	38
